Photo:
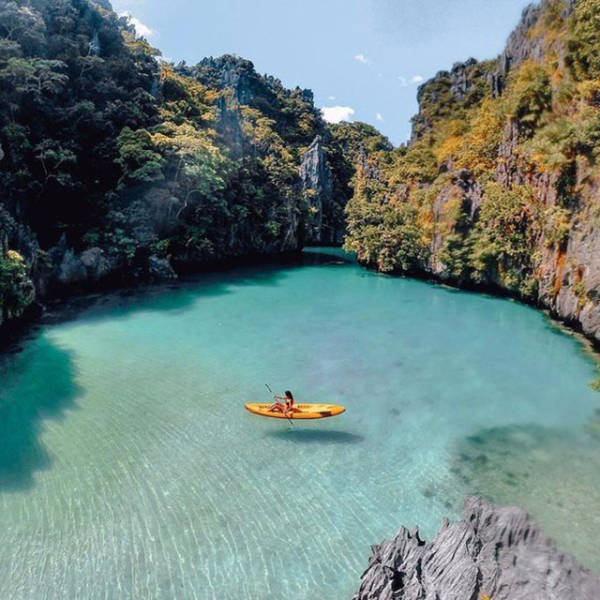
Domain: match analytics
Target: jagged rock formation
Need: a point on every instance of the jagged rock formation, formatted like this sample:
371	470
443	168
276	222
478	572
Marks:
496	553
466	83
499	186
317	187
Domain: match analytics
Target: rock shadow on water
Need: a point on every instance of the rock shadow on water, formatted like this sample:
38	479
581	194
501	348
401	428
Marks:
551	472
319	256
323	436
39	386
174	297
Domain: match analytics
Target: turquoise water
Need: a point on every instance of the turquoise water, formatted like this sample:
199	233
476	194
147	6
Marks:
129	468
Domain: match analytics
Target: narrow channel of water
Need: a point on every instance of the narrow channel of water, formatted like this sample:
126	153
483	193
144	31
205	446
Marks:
129	468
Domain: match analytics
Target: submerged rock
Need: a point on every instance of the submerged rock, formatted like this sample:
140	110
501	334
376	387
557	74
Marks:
520	464
495	552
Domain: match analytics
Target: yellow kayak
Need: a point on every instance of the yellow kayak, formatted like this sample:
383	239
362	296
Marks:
301	411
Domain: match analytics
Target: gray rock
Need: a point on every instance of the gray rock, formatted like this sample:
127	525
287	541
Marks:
494	551
67	268
70	270
160	268
229	125
94	46
521	45
317	187
98	265
460	82
234	73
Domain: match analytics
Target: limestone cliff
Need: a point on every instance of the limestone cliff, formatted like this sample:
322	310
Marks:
496	553
162	169
499	187
317	187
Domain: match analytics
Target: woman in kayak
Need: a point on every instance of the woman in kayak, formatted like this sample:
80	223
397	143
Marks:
286	408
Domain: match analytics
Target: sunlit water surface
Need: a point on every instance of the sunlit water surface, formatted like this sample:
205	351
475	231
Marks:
130	469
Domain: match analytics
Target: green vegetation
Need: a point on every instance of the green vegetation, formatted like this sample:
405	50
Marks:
503	239
584	40
104	146
16	289
72	77
495	173
348	146
386	236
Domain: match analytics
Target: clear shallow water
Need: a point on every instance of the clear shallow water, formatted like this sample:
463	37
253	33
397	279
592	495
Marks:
129	469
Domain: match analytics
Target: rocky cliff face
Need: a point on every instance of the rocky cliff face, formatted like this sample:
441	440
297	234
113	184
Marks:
321	220
499	186
160	170
317	187
495	553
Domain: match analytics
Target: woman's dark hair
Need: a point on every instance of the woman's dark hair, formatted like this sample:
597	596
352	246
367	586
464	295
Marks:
288	394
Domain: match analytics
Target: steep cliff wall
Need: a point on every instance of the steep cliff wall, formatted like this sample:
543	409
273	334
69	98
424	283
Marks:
500	185
117	167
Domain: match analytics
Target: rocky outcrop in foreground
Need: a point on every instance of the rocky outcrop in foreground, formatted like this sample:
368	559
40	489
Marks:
495	552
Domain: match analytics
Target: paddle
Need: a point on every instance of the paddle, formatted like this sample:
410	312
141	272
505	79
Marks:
271	391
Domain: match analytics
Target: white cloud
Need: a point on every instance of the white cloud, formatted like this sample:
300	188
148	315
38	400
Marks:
331	97
417	79
403	81
335	114
379	117
140	28
118	4
361	58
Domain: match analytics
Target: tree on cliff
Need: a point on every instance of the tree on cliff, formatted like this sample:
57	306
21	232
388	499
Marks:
498	185
106	150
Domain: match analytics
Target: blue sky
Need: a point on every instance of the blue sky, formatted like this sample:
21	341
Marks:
363	59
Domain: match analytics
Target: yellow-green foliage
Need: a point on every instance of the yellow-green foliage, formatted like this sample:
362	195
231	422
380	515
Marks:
387	238
438	104
499	248
185	136
383	232
138	158
584	39
556	225
185	98
546	121
16	290
471	138
480	149
451	135
503	239
471	143
182	146
529	94
417	163
564	138
280	161
554	145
